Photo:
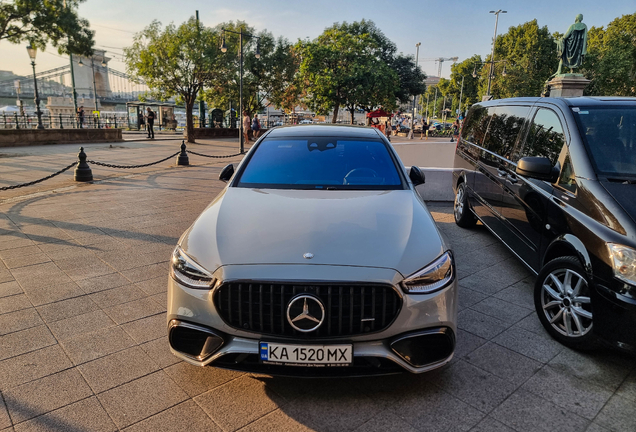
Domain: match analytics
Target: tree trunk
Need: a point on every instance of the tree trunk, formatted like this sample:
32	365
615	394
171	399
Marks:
335	113
189	103
352	111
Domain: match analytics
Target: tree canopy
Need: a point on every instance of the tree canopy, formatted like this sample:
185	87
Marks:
611	59
354	66
176	61
43	22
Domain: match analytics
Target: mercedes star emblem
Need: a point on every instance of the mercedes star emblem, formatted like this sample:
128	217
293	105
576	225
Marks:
305	313
308	255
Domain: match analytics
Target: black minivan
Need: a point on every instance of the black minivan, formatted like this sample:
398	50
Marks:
555	180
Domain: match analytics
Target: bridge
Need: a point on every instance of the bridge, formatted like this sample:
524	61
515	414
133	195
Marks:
92	76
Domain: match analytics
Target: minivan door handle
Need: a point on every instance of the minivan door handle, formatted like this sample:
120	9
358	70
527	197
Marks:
502	172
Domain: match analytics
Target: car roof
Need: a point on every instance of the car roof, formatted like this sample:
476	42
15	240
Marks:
348	131
568	101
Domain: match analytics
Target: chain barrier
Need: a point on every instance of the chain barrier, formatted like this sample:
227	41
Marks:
83	172
38	181
131	166
215	157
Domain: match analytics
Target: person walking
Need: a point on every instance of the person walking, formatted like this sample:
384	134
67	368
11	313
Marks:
256	127
246	126
424	129
150	121
80	116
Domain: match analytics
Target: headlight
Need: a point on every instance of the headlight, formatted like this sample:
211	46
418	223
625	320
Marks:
623	262
189	273
433	277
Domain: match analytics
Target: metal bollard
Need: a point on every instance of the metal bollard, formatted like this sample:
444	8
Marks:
61	122
83	171
183	159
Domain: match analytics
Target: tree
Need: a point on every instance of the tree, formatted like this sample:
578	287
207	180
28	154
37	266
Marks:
354	66
269	79
175	61
530	54
465	69
611	59
42	22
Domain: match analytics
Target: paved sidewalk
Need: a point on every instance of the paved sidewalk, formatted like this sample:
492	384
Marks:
83	345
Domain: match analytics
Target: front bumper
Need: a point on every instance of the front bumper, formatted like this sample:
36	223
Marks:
614	317
426	323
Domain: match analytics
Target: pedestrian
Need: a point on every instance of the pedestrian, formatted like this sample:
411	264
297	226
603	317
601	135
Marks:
150	121
256	127
80	116
387	129
455	128
424	129
246	126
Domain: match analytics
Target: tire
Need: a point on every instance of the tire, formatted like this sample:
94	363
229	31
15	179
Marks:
463	216
562	302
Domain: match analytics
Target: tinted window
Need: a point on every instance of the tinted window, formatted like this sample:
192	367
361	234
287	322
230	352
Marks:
476	124
321	163
505	126
610	137
545	137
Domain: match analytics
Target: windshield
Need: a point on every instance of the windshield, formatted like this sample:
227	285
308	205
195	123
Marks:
321	163
610	137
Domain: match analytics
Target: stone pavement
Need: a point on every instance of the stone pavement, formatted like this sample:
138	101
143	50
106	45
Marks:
83	345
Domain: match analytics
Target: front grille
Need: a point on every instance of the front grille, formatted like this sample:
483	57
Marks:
349	309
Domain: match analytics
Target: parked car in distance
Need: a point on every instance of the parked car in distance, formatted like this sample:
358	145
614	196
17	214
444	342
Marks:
318	258
555	180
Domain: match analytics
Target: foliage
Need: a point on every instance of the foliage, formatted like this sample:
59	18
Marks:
175	61
42	22
465	70
531	58
611	59
269	79
355	66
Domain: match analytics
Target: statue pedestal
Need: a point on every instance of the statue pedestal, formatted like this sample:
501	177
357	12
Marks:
568	85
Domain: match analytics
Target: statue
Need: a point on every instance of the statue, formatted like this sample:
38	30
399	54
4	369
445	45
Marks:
572	47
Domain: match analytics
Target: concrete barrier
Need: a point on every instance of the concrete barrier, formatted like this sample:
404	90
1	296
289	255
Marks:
436	160
29	137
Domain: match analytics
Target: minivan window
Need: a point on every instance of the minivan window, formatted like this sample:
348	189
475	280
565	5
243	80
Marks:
476	124
321	163
609	134
545	137
504	129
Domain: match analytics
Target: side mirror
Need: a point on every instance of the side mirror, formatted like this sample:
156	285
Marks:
226	173
417	176
540	168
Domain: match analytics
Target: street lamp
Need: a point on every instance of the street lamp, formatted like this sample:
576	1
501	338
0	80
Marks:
492	55
257	54
417	53
32	52
461	93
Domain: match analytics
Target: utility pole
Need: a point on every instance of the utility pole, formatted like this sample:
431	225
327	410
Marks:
435	103
417	54
461	93
492	55
201	102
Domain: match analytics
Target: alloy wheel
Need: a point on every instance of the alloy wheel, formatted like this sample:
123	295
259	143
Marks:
459	203
565	301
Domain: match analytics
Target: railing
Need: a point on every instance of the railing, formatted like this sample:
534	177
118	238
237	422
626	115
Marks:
62	121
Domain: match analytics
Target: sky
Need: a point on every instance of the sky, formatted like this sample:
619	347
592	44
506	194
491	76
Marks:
445	29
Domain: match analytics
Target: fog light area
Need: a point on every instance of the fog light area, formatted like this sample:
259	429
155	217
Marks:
424	348
193	341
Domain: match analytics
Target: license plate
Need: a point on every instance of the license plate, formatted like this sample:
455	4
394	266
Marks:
306	355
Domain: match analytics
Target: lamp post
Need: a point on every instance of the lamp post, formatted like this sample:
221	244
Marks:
417	54
32	52
491	73
461	93
492	55
435	103
257	54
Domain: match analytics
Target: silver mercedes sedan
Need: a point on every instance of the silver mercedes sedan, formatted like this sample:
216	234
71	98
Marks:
318	258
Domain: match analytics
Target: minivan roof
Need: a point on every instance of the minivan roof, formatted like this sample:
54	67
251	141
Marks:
348	131
571	101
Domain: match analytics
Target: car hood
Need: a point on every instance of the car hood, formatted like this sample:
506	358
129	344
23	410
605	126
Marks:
624	196
388	229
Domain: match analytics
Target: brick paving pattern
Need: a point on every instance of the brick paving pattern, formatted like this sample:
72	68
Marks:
83	345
